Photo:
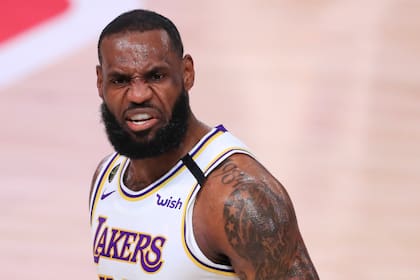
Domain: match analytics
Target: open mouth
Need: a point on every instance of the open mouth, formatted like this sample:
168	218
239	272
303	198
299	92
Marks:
140	121
139	118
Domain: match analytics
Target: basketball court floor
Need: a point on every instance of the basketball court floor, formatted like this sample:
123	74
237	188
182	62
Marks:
326	94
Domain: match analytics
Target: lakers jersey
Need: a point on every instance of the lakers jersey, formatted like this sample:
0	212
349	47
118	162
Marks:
148	234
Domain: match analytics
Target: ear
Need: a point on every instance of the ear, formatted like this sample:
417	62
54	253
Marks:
99	81
189	73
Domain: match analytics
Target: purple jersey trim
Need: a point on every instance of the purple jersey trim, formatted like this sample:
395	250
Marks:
219	128
155	185
99	184
194	256
185	224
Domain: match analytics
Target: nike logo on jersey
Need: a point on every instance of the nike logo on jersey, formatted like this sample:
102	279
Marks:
105	195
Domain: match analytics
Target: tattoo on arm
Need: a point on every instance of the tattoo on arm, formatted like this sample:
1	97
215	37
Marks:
261	227
302	267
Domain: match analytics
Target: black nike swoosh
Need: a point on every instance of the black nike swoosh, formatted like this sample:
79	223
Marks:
105	195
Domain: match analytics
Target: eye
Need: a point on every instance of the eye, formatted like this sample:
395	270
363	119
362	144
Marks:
156	76
120	80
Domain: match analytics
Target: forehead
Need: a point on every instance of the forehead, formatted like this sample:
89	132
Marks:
134	47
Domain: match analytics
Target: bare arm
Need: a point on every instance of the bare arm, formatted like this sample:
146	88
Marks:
260	228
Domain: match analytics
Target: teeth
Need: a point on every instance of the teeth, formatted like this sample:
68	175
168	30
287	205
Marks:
140	117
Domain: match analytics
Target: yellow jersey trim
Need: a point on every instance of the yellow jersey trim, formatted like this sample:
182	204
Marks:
166	179
101	184
183	225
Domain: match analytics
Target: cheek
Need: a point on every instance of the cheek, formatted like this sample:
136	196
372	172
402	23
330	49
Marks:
113	102
167	98
112	94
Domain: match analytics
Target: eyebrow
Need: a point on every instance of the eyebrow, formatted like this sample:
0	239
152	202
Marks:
118	74
153	69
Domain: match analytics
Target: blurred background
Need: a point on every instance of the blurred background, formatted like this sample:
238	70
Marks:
326	93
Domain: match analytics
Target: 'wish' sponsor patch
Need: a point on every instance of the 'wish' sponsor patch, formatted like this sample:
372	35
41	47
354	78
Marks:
169	202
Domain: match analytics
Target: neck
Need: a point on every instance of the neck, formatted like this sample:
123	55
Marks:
142	172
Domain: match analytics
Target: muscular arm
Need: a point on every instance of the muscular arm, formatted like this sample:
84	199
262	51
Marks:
260	224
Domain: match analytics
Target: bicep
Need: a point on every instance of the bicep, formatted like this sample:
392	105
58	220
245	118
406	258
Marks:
260	227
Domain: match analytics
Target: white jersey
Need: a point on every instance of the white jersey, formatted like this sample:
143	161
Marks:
149	234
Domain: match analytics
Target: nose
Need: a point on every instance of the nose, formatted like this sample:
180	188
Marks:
139	91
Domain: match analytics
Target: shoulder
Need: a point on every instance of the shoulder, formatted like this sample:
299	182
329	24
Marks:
251	190
246	218
245	197
98	169
241	176
255	204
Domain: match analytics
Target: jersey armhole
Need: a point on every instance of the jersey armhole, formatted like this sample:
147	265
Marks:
192	247
96	182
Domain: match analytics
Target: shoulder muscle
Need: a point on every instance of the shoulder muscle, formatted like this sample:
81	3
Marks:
96	174
258	220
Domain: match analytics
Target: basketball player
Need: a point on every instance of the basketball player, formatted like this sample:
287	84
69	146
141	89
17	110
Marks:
179	199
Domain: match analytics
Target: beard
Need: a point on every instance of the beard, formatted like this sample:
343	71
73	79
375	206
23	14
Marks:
167	137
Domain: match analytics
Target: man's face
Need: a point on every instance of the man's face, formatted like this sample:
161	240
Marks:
144	85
